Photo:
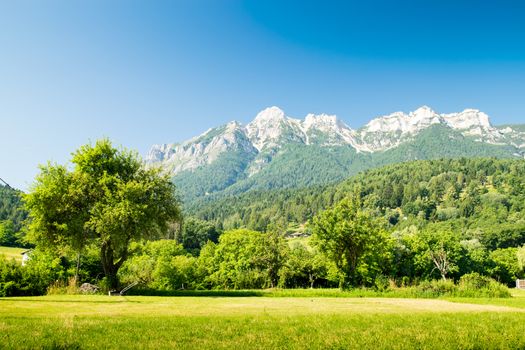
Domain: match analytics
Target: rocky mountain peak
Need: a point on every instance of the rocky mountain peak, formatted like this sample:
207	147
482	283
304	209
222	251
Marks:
467	119
269	126
269	114
423	110
271	129
321	120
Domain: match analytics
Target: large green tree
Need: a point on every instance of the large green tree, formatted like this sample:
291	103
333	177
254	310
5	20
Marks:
434	251
107	199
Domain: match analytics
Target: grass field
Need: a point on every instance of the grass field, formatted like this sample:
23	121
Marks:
9	252
260	322
517	301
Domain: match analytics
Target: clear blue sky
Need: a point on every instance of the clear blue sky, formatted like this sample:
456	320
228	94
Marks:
145	72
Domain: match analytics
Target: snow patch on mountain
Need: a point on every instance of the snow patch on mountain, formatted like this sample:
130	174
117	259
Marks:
270	127
391	130
415	121
333	130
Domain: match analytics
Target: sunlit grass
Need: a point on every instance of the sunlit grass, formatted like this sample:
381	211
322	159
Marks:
517	300
403	292
61	321
12	253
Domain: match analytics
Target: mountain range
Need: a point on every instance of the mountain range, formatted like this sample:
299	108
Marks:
277	151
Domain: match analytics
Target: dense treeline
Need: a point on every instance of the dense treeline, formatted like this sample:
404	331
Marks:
435	219
12	216
405	224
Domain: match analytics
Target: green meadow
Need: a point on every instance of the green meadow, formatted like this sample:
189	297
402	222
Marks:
12	253
267	322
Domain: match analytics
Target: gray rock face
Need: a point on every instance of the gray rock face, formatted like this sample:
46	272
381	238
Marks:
88	288
272	129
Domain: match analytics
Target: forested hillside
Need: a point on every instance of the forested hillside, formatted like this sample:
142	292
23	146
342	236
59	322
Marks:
417	221
11	215
471	193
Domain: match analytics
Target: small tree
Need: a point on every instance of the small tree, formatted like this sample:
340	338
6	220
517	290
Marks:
441	261
505	266
435	248
244	259
304	267
108	199
272	255
353	241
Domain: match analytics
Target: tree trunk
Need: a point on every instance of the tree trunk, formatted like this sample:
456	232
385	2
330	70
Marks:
112	279
77	269
440	259
110	266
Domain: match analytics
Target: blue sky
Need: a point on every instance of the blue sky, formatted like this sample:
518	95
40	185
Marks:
145	72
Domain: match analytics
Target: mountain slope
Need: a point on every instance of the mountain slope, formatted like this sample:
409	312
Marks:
276	151
12	215
434	190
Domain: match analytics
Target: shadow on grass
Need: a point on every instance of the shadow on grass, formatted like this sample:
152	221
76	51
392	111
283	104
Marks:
39	300
145	292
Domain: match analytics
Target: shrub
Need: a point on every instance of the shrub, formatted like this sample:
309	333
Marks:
41	270
382	283
476	285
474	281
471	285
435	288
61	287
33	279
10	277
162	265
